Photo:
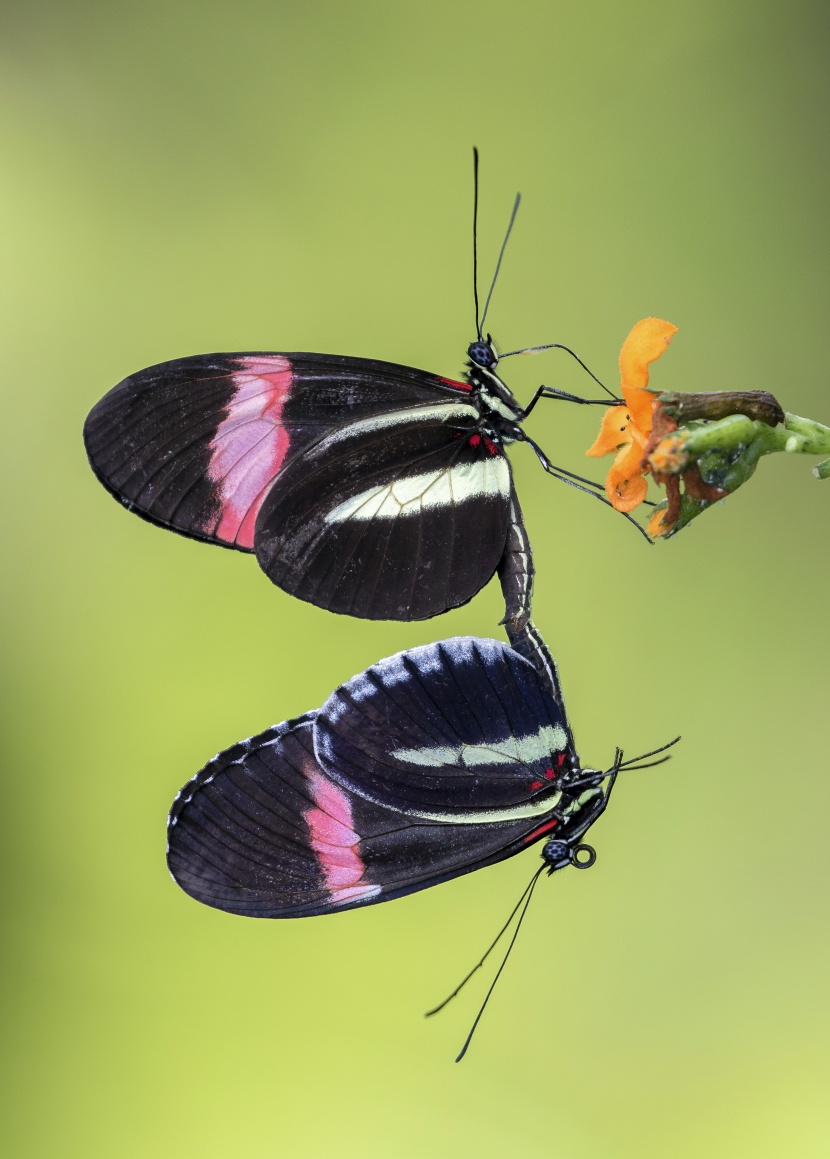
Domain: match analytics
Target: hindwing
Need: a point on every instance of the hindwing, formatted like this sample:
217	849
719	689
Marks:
401	516
460	729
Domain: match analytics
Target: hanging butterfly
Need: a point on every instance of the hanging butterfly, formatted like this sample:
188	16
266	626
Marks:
363	487
430	764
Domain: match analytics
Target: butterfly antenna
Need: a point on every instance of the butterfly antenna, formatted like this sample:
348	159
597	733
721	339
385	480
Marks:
530	890
498	263
487	952
475	236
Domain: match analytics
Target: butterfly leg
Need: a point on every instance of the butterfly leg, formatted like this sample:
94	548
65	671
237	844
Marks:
564	477
600	806
566	396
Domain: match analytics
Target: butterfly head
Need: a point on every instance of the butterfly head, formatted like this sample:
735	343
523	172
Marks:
482	353
557	854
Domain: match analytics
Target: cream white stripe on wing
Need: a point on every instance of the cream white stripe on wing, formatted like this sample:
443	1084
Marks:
513	750
412	493
439	413
483	816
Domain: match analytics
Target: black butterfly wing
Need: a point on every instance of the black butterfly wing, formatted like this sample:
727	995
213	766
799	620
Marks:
195	444
398	517
460	729
262	831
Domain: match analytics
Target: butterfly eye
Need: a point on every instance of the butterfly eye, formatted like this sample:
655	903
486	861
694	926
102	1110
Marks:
557	853
482	354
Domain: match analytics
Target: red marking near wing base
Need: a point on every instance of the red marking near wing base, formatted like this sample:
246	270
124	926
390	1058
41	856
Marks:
453	383
335	842
249	445
542	829
550	774
475	440
560	760
536	784
491	446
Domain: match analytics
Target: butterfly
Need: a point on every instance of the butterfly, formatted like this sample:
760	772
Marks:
428	765
364	487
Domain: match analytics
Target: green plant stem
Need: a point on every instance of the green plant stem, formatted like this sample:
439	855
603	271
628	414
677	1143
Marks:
743	436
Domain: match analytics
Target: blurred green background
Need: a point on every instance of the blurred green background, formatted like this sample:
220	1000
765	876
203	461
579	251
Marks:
184	177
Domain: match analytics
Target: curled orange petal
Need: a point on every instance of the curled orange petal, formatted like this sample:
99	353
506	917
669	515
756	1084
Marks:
656	526
646	342
625	486
612	434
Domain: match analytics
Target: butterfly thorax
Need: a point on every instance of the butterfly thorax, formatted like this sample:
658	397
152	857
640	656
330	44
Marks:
573	804
494	395
581	800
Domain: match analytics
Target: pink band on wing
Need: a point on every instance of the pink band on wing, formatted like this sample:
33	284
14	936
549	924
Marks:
249	445
335	842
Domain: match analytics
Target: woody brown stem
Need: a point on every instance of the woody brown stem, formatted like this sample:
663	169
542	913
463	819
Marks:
758	405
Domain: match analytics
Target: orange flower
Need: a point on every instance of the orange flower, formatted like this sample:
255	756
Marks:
627	429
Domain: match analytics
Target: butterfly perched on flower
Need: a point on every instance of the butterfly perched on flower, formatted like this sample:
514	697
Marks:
364	487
